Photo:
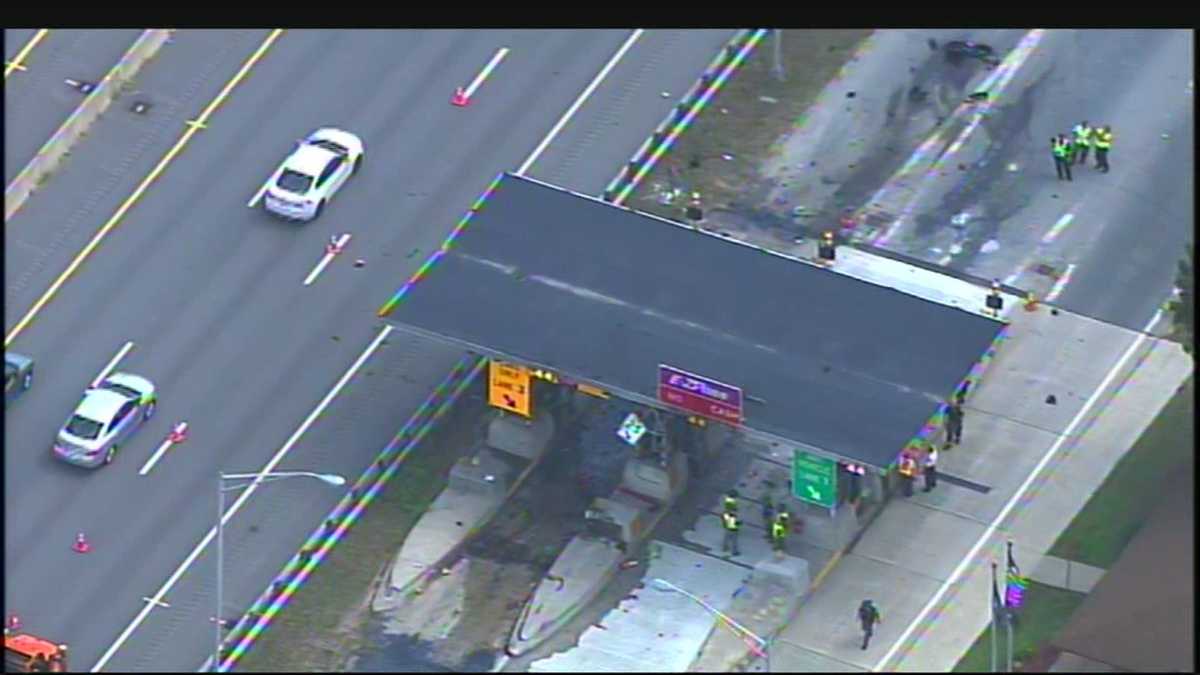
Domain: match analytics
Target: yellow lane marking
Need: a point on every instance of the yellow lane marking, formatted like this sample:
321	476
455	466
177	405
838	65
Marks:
16	63
141	189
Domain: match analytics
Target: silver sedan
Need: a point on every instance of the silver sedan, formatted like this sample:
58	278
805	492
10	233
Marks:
107	416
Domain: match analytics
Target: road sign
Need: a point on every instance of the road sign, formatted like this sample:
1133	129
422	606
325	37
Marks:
632	429
814	479
508	387
700	395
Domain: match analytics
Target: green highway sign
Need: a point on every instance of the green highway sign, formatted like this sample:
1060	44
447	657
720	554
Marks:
814	479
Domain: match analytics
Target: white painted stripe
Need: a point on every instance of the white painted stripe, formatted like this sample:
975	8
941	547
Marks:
263	190
1017	496
241	500
486	72
316	271
112	364
1062	224
155	457
1059	285
152	601
541	147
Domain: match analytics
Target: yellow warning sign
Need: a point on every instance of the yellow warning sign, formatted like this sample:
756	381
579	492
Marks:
508	387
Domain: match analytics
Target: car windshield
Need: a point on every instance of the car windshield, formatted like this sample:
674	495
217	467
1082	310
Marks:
294	181
83	427
127	392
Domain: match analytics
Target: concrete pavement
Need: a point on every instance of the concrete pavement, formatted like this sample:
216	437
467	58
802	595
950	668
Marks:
210	291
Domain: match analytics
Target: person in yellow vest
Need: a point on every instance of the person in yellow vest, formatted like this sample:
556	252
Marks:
1060	151
730	502
779	531
732	524
1103	142
908	473
1083	141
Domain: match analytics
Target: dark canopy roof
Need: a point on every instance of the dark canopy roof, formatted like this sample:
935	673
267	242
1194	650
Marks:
552	278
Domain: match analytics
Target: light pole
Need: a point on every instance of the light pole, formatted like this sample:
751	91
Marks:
759	645
330	478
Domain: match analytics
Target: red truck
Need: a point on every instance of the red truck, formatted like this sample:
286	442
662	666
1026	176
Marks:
24	653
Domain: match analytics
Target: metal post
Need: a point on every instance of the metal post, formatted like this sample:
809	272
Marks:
778	70
220	560
995	627
1008	620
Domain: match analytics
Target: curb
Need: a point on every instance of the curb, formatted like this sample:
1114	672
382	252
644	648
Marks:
52	153
348	510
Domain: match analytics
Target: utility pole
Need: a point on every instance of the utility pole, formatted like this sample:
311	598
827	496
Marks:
995	624
778	69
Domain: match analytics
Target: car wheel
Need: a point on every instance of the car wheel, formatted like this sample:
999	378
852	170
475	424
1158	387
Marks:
150	410
358	163
110	455
27	382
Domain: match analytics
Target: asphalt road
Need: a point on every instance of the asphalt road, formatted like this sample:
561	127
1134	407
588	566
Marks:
36	100
1123	231
211	292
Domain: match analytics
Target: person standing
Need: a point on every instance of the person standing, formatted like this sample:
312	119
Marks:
1104	138
730	503
954	423
868	616
931	459
1059	151
779	531
732	524
908	473
1083	141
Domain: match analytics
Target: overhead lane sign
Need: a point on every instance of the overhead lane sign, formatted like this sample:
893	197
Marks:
508	387
700	395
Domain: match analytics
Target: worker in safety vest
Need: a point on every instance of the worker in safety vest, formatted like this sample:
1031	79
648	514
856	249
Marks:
1059	152
730	503
779	531
1083	141
731	524
1103	141
908	473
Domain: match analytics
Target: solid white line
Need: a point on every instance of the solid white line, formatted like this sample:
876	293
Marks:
154	458
160	603
112	364
486	72
1060	284
1058	228
541	147
263	190
316	271
245	495
1017	496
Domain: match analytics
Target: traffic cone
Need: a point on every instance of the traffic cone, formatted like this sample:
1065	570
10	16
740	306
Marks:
460	98
14	623
81	544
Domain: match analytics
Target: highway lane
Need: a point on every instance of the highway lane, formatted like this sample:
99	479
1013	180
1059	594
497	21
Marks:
36	101
211	292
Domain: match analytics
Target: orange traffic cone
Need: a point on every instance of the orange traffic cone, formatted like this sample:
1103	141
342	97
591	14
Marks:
460	98
81	544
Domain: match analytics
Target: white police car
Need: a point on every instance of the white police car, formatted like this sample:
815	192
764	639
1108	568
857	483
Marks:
313	173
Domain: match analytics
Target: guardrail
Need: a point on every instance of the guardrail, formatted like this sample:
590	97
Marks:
683	114
52	153
348	510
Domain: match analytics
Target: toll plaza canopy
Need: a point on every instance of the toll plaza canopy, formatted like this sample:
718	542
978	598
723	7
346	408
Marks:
603	294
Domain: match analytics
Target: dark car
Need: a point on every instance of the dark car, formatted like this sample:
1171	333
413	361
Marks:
18	375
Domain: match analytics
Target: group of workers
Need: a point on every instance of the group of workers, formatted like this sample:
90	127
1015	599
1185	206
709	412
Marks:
779	524
1070	149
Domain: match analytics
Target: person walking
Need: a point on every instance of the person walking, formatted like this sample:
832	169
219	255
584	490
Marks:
1059	152
908	473
1103	141
779	531
732	525
930	473
730	503
954	422
868	616
1083	141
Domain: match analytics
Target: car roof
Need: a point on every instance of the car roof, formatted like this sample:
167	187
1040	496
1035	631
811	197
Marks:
309	159
100	404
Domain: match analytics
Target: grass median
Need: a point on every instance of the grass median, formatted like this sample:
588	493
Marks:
1114	514
324	623
1045	612
720	154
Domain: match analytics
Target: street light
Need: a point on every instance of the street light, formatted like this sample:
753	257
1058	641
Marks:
756	643
265	477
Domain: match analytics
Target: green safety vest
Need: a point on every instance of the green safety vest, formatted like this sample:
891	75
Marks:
731	504
731	522
1104	140
1060	149
1083	135
778	530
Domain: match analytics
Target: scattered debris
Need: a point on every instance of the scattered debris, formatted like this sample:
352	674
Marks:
961	219
955	249
727	157
1165	136
140	107
666	94
989	246
851	94
1012	167
1051	400
768	99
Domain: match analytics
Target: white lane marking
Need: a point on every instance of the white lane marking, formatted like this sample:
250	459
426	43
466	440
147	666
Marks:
263	190
113	363
245	495
1017	496
180	428
486	72
541	147
1060	284
1062	224
338	245
160	603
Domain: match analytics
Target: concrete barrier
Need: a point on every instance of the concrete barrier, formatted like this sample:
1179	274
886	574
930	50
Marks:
48	158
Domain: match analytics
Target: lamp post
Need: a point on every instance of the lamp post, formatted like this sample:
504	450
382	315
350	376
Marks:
329	478
759	645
